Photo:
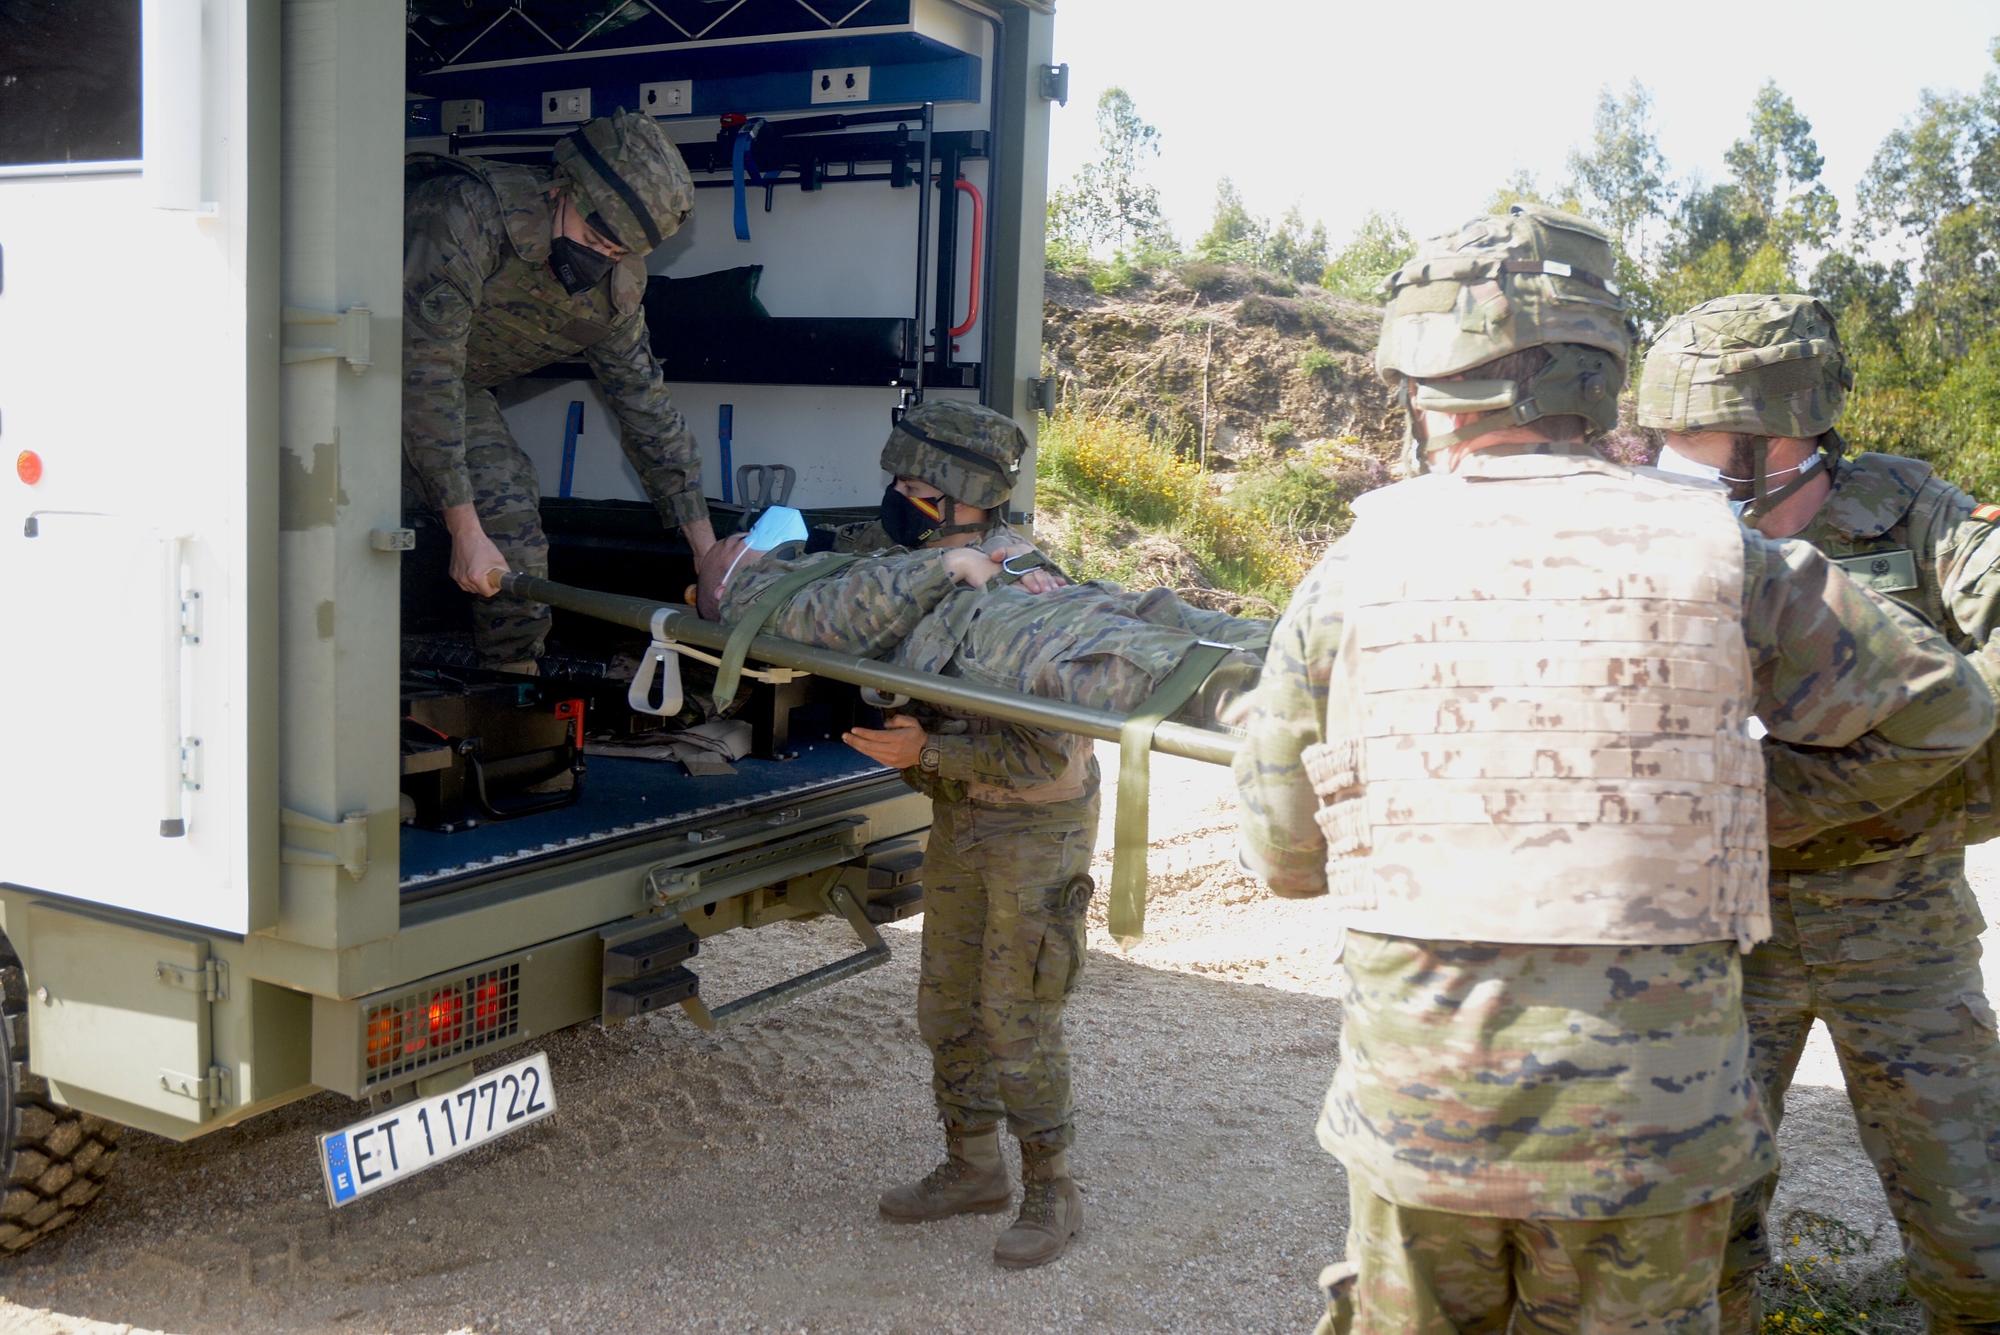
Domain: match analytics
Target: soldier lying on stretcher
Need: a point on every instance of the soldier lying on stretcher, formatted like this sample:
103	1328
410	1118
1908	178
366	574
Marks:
953	612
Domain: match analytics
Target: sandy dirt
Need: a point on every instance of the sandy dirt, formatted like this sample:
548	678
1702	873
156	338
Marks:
728	1182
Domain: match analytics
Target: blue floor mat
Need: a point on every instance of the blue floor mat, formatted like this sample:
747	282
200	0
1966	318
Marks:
624	797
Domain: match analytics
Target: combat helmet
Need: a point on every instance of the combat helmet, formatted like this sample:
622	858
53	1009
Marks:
966	450
1760	364
629	177
1531	277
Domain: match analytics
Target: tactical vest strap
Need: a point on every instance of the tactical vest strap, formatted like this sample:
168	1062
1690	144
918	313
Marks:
1135	746
729	672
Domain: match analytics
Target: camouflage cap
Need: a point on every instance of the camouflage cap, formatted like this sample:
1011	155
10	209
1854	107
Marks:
966	450
629	175
1764	364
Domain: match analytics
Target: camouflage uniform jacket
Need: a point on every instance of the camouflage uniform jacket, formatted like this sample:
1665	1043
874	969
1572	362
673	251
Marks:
983	759
480	307
1591	1081
905	608
1911	536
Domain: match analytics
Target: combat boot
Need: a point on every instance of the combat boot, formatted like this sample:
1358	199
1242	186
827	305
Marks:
971	1180
1051	1210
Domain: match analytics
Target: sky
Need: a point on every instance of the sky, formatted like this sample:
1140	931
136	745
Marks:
1343	107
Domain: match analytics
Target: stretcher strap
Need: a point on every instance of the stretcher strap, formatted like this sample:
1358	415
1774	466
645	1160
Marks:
729	671
1135	749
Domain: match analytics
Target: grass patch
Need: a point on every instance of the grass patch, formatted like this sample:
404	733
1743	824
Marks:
1317	361
1130	479
1819	1287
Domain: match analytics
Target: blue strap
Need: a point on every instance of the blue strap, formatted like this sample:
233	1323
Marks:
572	428
742	171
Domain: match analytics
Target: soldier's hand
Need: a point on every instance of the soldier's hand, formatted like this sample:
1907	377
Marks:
476	564
970	567
1041	579
899	744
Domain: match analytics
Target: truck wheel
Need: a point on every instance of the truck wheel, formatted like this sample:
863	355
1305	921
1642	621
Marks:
53	1160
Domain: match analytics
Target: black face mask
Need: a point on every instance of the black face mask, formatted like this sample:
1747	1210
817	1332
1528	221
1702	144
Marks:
576	266
910	523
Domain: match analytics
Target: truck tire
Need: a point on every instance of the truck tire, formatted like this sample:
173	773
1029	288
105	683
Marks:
53	1160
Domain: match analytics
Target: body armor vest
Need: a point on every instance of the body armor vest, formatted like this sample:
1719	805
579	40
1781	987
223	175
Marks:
1538	719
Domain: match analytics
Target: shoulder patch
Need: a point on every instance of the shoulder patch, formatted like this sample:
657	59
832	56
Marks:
1988	513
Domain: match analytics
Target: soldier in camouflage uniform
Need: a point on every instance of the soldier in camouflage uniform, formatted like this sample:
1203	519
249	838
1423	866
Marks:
505	270
1519	759
1874	929
1006	884
1006	869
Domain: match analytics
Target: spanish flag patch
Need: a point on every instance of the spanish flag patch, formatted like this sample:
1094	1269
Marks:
1989	513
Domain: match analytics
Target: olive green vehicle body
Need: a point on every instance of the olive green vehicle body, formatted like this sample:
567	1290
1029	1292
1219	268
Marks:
180	1030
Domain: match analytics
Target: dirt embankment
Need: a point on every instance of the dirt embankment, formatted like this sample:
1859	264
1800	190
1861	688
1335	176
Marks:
1276	364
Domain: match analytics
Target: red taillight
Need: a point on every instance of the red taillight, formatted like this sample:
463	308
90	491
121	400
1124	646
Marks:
28	467
445	1017
489	1005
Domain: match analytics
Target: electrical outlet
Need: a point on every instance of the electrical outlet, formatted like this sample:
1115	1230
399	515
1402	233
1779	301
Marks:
464	115
565	104
848	84
673	98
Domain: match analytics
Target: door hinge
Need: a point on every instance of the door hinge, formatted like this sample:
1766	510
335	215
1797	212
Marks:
191	764
307	841
191	617
1055	84
1042	394
349	342
209	1089
211	979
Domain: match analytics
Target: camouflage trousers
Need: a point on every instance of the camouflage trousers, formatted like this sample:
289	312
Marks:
508	499
1428	1272
1005	893
1887	954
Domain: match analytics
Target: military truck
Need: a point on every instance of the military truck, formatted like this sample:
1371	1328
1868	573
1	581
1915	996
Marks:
270	839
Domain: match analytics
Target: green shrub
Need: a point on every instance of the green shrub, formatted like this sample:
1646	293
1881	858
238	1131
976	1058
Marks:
1205	276
1317	361
1277	431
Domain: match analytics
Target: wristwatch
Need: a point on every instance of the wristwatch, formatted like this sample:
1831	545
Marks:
929	758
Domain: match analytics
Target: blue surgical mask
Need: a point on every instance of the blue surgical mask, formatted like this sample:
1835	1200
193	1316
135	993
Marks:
774	528
777	526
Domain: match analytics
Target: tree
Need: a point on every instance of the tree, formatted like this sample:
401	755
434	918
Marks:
1295	250
1111	204
1234	235
1752	232
1621	179
1379	245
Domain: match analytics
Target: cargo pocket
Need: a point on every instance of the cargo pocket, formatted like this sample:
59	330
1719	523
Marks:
1059	960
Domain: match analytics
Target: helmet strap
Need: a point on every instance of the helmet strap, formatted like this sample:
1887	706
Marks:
1572	384
949	529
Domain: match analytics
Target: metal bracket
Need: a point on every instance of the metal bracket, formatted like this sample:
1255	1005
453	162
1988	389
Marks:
191	764
191	617
392	539
1042	394
210	1089
682	889
345	842
350	339
874	951
1055	84
211	980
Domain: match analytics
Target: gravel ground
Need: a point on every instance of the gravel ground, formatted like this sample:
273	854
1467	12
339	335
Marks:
727	1182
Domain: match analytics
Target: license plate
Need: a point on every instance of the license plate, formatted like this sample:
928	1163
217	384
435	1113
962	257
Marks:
402	1142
